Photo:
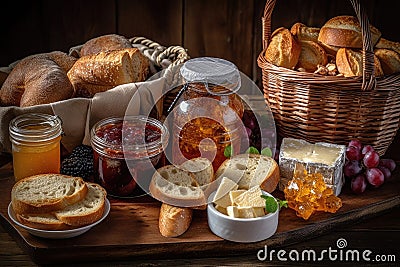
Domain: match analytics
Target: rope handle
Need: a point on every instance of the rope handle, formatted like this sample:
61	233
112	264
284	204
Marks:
368	78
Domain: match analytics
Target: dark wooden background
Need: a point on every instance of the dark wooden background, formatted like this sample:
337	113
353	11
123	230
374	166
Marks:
229	29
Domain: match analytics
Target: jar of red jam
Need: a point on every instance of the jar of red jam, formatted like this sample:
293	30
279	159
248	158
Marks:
126	150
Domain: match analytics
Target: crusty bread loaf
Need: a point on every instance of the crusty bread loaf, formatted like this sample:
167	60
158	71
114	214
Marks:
283	49
174	221
38	79
46	193
389	59
311	56
104	43
176	187
305	33
100	72
384	43
349	63
201	168
249	170
345	31
89	210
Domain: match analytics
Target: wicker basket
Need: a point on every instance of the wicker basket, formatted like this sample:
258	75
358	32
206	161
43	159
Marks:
332	109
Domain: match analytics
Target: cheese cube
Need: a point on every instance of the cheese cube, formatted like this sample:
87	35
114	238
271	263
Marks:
259	212
221	197
233	211
246	212
251	198
234	194
221	209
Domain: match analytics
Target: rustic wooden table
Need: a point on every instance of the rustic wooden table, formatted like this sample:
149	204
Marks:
374	239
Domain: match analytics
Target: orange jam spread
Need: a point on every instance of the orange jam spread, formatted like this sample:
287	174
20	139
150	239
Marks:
307	193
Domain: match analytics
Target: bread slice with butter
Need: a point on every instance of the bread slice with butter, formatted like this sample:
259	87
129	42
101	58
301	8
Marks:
249	170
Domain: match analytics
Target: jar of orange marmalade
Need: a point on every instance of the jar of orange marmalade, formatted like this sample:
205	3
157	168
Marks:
207	115
35	140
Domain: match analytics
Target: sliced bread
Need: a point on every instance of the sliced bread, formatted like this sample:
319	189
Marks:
249	170
176	187
45	193
87	211
201	168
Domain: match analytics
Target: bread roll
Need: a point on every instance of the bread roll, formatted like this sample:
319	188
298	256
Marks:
311	56
105	43
345	31
304	33
384	43
283	50
174	221
349	63
389	59
105	70
38	79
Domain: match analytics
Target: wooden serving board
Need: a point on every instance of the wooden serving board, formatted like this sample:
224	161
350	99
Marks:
131	229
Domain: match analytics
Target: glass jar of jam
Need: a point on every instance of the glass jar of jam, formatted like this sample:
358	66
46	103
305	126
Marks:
35	140
207	115
126	151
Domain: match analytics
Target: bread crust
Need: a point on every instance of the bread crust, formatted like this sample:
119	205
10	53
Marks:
174	221
304	33
311	56
38	79
104	43
283	49
100	72
389	59
345	31
349	63
52	225
21	206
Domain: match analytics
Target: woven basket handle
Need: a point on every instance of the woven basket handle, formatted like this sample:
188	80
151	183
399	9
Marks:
369	81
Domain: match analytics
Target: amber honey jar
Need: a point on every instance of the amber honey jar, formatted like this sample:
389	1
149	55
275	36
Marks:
126	152
207	115
35	140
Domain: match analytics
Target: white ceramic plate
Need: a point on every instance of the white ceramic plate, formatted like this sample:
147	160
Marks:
58	234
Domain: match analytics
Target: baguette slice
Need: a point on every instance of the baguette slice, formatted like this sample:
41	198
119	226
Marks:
45	193
43	222
86	211
249	170
201	168
176	187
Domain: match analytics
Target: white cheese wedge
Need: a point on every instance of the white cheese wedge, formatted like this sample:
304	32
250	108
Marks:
221	209
221	197
246	212
259	212
233	211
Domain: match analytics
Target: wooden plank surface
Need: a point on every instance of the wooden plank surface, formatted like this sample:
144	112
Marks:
131	229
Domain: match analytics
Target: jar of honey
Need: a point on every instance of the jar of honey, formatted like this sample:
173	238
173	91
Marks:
207	113
126	151
35	140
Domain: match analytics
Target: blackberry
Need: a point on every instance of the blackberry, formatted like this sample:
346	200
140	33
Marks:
79	163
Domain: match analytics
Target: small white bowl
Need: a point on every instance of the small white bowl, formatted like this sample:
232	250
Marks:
241	229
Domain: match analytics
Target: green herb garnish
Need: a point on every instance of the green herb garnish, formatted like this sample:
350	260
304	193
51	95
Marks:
266	152
252	150
228	152
271	205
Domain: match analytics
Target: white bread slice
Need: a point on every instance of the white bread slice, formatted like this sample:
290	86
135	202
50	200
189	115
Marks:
45	193
249	170
176	187
201	168
86	211
42	221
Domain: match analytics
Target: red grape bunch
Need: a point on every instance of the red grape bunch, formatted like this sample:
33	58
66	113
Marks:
364	166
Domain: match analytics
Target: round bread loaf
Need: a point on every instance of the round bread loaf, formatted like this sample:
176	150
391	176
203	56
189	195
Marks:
38	79
304	33
349	63
389	59
283	50
345	31
105	43
311	56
